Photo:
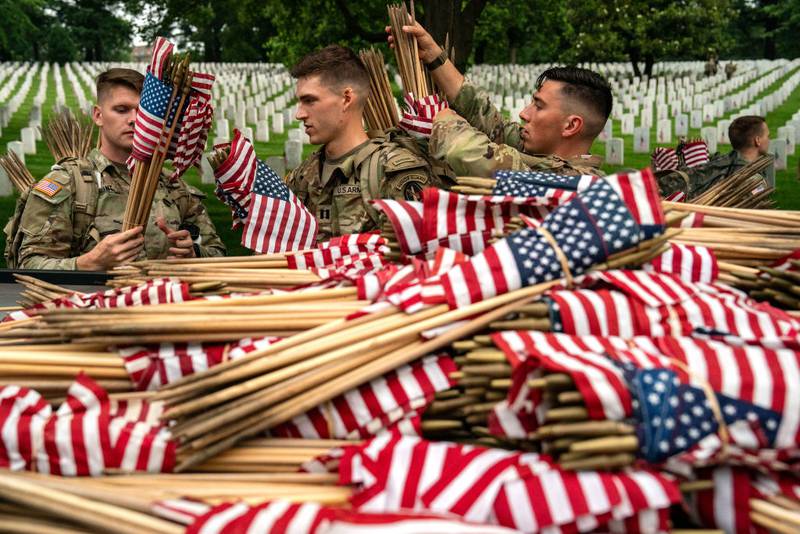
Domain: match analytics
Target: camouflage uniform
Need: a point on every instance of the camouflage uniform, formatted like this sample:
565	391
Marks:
693	181
483	142
338	192
49	241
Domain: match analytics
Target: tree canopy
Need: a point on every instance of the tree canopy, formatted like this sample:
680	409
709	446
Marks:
492	31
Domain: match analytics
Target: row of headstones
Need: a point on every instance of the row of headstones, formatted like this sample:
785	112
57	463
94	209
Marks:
509	95
782	146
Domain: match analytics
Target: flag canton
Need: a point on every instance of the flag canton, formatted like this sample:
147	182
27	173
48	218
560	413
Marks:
518	188
269	184
587	229
545	179
155	98
673	416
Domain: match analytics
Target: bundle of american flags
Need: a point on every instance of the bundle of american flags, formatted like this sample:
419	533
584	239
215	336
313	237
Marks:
190	122
687	155
418	116
646	400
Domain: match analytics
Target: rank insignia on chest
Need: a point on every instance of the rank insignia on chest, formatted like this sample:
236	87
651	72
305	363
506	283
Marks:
323	213
48	187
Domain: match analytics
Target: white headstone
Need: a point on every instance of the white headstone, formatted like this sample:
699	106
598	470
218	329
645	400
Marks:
251	115
607	131
709	135
241	120
696	119
277	164
615	151
722	132
288	115
223	129
708	113
16	147
277	123
5	183
262	131
627	124
28	137
790	134
294	153
646	117
296	134
206	172
641	140
778	148
248	133
664	131
662	112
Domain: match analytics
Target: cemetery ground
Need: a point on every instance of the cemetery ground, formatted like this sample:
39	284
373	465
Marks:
787	181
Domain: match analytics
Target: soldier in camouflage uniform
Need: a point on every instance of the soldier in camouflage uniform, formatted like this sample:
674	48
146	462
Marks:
749	137
338	182
569	109
72	218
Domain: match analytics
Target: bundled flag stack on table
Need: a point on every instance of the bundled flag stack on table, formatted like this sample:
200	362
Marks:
582	397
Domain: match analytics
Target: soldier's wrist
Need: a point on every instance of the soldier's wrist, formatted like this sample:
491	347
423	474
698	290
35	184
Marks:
438	61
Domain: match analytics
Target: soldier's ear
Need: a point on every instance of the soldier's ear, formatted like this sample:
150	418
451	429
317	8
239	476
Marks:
97	115
349	97
573	125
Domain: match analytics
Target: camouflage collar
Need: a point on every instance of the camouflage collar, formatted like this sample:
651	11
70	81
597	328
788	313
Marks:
103	164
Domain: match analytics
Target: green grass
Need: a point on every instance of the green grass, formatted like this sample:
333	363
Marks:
786	181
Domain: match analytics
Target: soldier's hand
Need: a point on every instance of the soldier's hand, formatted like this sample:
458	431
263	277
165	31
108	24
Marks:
115	249
428	49
181	240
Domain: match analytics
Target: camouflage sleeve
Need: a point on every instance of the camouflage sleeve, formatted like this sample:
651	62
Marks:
470	152
197	214
46	226
476	107
296	181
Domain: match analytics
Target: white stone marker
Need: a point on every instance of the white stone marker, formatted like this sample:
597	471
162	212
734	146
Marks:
682	125
206	172
28	138
277	164
16	147
696	119
709	135
627	124
251	115
664	131
607	131
294	153
262	131
641	140
277	123
722	132
615	151
790	134
778	148
223	129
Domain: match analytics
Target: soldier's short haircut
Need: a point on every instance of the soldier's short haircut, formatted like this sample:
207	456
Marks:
742	130
336	66
586	88
118	77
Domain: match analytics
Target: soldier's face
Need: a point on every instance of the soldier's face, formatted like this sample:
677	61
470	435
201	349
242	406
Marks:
762	141
115	115
321	110
543	120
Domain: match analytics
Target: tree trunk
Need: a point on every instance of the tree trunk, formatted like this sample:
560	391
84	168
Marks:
447	17
649	61
635	56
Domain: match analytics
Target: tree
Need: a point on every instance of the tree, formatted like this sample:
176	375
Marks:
20	36
97	29
648	31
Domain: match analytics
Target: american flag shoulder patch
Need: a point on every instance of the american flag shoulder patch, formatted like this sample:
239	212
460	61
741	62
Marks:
48	187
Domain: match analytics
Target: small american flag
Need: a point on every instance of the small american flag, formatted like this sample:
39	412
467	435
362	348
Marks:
277	221
694	153
418	117
691	263
150	119
162	49
235	177
193	133
664	159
